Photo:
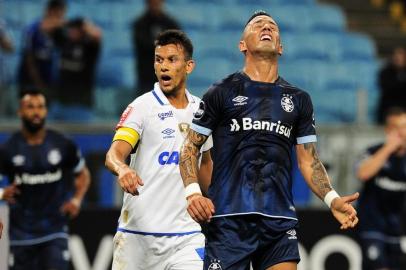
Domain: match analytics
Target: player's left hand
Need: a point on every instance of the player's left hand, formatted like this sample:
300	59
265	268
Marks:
344	212
71	207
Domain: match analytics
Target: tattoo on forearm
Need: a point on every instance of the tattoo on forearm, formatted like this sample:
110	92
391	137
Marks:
189	157
319	175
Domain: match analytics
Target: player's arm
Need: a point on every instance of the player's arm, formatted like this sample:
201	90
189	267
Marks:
370	166
123	142
200	208
316	177
205	171
81	185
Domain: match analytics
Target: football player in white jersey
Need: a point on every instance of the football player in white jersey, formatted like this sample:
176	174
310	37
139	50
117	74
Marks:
155	231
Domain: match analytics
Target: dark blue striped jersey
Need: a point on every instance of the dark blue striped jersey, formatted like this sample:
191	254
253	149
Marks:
45	176
383	196
254	127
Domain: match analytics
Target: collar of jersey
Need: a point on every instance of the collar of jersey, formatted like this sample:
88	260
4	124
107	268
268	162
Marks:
161	98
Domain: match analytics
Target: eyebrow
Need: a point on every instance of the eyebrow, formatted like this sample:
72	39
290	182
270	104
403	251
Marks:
263	19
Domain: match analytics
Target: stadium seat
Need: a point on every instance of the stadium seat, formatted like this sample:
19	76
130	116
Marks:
191	17
327	18
357	46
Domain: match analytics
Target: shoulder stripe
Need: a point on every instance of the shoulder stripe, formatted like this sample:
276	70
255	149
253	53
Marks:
306	139
200	129
156	96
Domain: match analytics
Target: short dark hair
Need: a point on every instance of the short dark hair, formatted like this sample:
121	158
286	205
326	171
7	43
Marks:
32	92
394	111
256	14
178	37
77	22
55	4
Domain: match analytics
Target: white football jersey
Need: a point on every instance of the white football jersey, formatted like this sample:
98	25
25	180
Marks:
160	208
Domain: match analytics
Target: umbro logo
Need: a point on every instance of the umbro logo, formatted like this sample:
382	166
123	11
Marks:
168	133
239	100
292	234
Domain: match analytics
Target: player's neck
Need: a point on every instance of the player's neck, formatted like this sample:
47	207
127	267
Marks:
261	69
178	99
34	138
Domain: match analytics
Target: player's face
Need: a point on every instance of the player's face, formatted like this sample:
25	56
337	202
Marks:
261	35
33	112
397	123
172	67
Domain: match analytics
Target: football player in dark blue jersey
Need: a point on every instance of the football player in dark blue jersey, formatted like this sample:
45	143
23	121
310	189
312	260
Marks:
383	171
48	180
256	118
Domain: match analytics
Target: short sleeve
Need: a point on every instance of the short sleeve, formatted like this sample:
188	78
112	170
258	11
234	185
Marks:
306	128
75	160
206	118
133	117
208	144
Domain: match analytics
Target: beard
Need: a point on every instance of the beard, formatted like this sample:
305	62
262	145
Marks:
32	127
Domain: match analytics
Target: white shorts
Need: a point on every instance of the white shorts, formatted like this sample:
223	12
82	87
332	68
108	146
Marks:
146	252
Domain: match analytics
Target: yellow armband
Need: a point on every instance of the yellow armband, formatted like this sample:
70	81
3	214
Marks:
127	134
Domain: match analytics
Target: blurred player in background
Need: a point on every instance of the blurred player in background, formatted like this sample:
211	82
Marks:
1	228
155	231
48	180
383	171
144	32
256	118
38	53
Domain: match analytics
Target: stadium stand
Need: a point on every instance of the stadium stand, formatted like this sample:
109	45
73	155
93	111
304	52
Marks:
321	56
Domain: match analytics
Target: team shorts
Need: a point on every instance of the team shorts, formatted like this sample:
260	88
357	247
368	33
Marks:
148	252
49	255
233	242
380	251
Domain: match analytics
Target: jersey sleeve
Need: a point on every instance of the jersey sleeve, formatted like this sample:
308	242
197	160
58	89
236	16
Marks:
133	117
74	159
207	145
4	167
207	116
306	128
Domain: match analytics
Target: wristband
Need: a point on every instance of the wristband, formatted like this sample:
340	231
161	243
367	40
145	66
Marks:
192	188
76	202
330	196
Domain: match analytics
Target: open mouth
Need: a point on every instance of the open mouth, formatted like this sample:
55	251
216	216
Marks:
166	78
266	37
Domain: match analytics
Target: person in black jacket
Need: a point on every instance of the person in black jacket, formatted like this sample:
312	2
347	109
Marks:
392	83
145	30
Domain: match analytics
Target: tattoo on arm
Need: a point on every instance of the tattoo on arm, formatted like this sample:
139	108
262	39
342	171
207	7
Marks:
319	175
189	157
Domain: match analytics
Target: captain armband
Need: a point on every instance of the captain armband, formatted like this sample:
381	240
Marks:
127	134
330	196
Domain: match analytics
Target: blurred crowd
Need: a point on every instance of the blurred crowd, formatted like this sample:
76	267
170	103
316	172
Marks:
59	57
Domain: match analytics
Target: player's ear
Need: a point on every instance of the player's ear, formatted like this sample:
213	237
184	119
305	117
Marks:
280	49
190	65
243	46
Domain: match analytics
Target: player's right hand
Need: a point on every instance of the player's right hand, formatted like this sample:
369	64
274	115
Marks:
10	192
200	208
129	180
393	141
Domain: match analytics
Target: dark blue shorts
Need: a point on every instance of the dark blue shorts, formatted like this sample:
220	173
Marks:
45	256
380	251
233	242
